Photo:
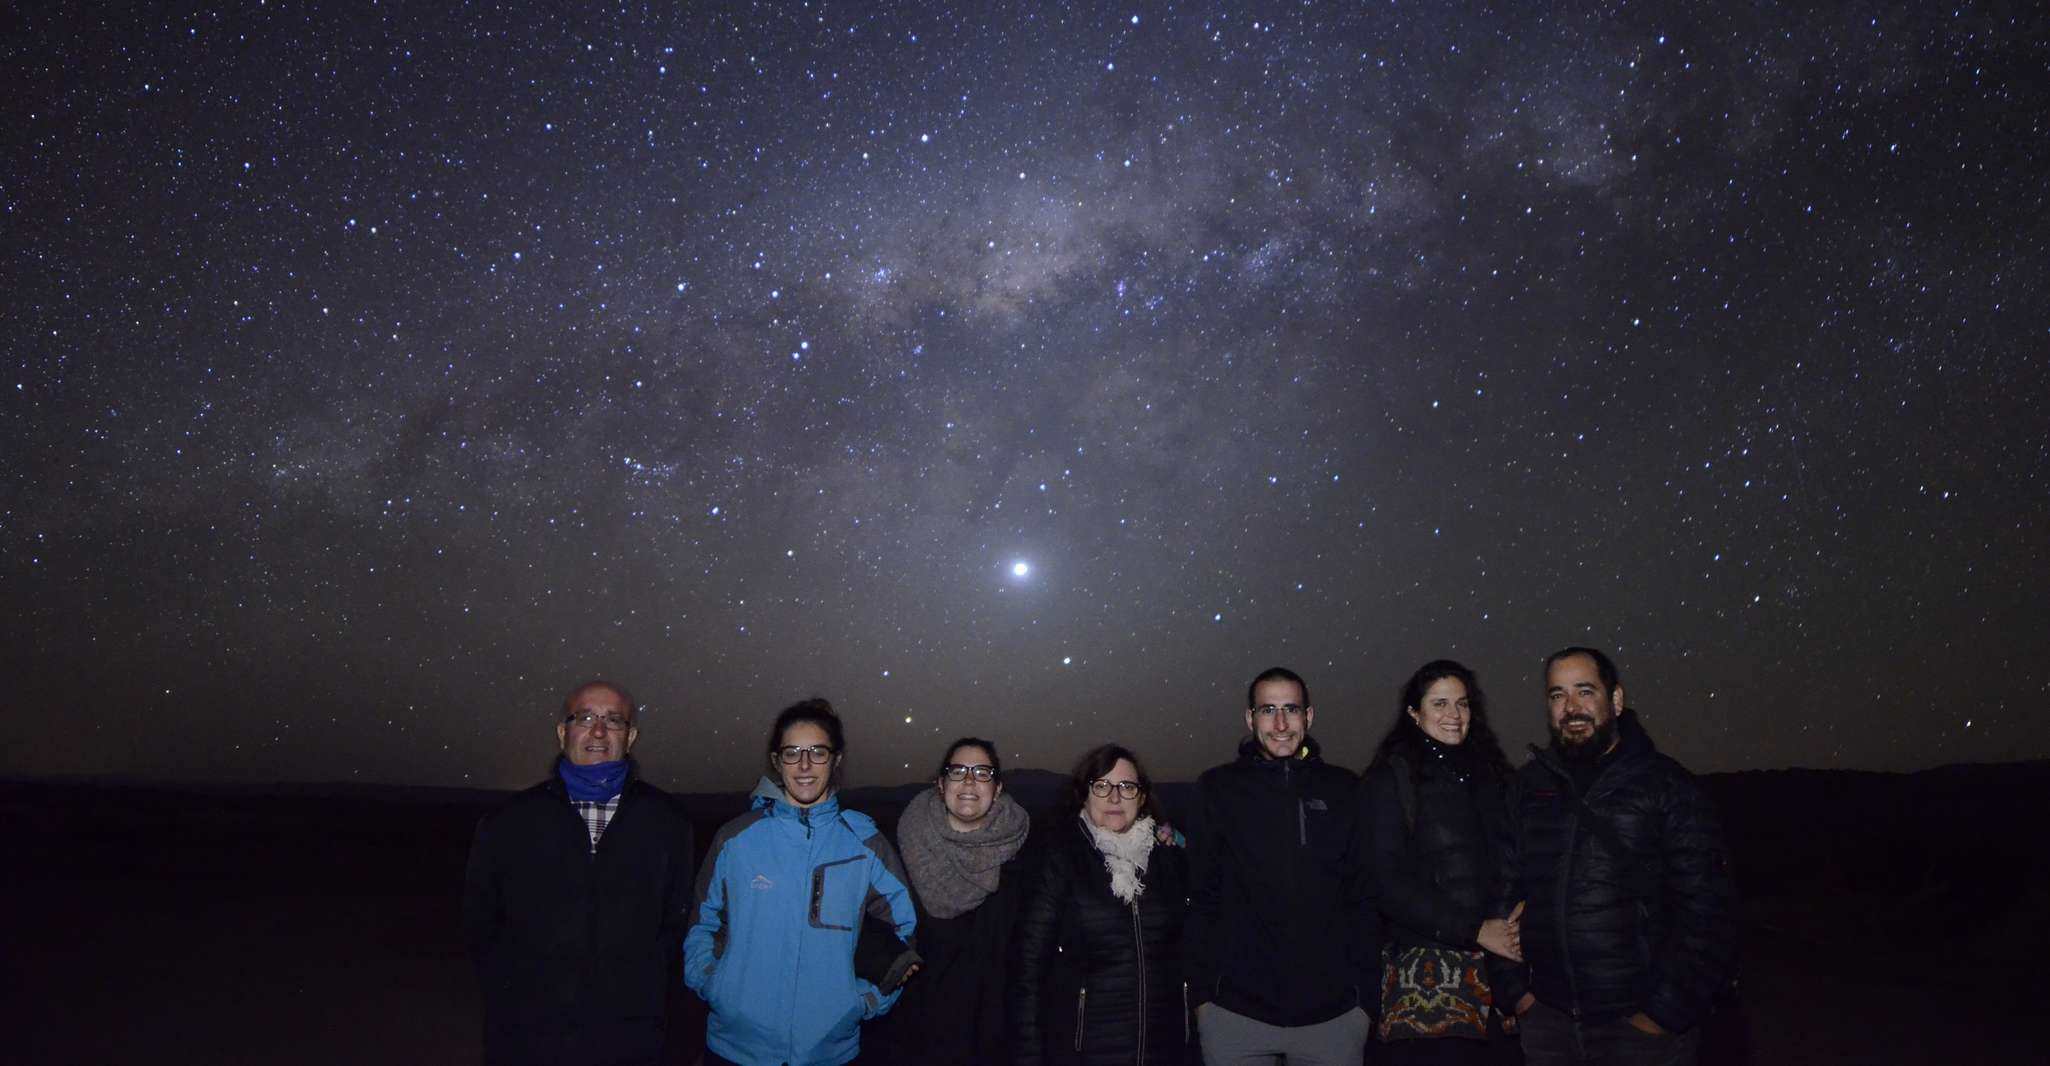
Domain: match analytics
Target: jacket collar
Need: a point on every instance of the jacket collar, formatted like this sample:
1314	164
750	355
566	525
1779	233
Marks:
768	796
1632	744
1250	751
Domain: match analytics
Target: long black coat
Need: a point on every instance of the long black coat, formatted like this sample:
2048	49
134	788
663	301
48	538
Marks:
576	950
952	1011
1436	881
1095	980
1643	923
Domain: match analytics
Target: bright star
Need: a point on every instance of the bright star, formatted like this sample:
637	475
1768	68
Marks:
1020	568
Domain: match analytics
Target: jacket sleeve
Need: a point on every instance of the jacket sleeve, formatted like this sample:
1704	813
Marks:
1694	956
1406	890
889	900
482	911
681	890
1509	980
1200	940
1034	943
708	932
1363	914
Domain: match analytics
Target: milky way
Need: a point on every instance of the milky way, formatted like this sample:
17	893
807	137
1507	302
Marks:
378	372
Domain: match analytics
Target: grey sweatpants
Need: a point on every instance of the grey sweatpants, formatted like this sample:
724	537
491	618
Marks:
1235	1040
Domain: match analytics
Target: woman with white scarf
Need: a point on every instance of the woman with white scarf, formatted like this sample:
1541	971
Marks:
1098	974
960	841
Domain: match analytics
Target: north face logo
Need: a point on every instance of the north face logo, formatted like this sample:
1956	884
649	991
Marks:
762	882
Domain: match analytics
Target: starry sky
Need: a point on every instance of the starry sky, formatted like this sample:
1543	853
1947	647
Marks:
1042	371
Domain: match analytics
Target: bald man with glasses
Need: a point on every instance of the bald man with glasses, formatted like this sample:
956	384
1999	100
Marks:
577	897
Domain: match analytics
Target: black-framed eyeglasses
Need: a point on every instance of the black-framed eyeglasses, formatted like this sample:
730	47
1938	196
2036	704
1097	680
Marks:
1101	788
592	719
957	772
795	753
1269	710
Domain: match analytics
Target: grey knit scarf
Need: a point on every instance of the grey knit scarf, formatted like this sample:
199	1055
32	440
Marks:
952	871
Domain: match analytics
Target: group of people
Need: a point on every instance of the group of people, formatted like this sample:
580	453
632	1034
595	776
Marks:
1443	906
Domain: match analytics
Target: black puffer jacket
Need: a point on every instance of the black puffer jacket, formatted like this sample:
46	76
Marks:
1282	925
1088	967
1437	879
578	951
1605	934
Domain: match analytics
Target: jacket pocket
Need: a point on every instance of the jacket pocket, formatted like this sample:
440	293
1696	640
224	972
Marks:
1081	1013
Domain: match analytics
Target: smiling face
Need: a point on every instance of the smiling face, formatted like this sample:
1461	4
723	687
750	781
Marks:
1444	714
601	740
1114	813
1583	713
805	781
1279	717
969	801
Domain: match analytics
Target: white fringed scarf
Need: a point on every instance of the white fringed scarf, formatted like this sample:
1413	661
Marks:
1124	855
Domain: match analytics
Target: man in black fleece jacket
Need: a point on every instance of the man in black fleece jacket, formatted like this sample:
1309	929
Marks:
1283	949
1619	859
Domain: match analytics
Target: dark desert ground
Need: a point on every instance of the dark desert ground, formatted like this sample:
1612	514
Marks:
1887	918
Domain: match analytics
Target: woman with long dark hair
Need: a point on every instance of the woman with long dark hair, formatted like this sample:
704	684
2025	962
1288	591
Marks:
1434	796
1098	974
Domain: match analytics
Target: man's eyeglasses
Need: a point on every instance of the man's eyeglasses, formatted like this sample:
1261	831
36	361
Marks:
958	772
796	753
592	720
1269	710
1102	789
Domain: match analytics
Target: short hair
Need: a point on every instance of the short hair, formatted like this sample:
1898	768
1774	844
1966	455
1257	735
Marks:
1097	762
1276	673
1602	666
569	699
816	711
996	762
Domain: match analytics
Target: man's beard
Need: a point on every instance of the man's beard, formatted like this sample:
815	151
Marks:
1585	752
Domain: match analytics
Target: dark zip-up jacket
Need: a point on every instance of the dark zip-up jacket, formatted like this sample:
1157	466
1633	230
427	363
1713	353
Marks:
1282	925
1634	915
1436	878
577	950
1094	979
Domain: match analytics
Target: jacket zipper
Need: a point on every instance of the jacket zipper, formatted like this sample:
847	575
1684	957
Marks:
1139	954
1564	891
1185	1013
1081	1012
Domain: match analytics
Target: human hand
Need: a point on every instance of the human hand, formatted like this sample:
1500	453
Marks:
1496	936
1642	1023
1524	1005
909	973
1504	936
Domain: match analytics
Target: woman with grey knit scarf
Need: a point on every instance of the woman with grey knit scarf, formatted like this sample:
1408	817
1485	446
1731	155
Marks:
960	842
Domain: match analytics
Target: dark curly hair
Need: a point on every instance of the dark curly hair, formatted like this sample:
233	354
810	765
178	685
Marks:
1405	733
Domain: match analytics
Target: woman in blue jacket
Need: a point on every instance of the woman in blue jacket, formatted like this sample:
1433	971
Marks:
780	901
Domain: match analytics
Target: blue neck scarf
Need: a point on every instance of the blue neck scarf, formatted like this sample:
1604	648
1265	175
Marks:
591	784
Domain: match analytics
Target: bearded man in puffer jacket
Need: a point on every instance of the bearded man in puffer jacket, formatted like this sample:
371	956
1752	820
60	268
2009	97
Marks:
1628	926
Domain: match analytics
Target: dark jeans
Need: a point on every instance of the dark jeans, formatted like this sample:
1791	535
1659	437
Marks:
1552	1038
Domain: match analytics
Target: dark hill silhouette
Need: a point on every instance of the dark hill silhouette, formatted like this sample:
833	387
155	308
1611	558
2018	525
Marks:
1888	918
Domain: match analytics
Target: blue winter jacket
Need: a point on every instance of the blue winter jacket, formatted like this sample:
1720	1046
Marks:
780	899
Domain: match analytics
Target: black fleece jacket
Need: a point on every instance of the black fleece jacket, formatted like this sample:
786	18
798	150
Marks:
1282	925
576	950
1636	915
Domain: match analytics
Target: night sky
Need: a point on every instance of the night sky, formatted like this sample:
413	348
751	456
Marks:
375	373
